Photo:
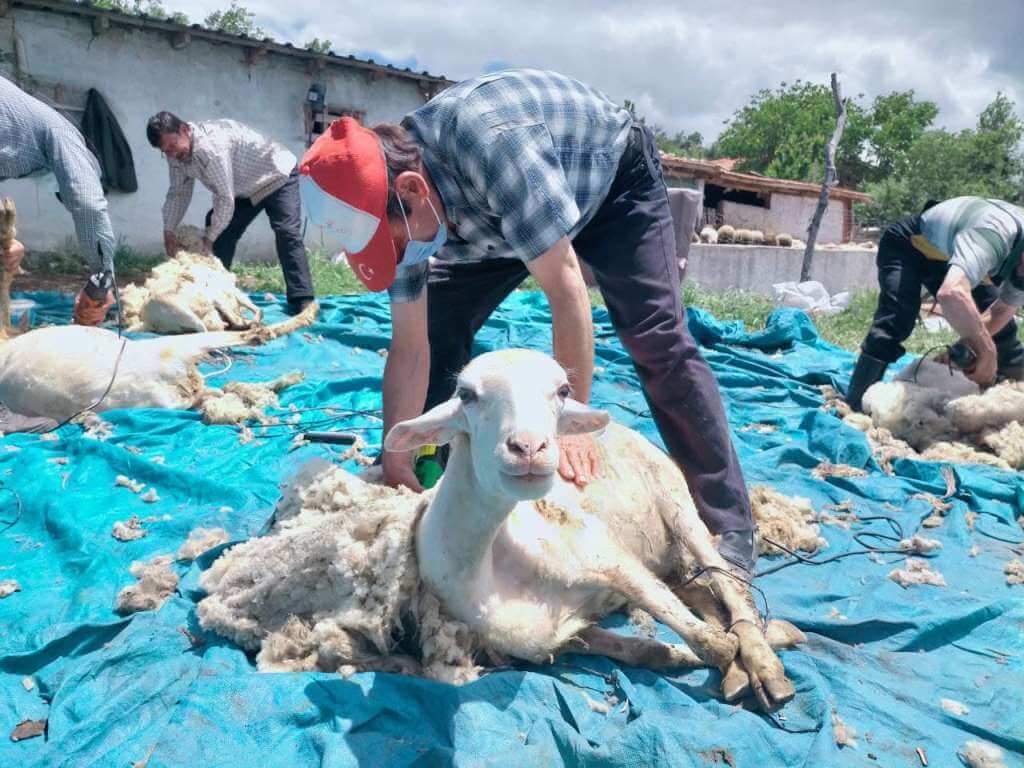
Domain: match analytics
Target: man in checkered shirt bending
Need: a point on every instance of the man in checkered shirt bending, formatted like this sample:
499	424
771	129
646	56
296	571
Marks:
247	173
518	173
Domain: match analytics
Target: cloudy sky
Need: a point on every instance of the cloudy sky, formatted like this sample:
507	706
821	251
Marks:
687	65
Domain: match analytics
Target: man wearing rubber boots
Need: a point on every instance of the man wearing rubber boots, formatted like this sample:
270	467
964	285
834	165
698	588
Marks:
967	252
518	173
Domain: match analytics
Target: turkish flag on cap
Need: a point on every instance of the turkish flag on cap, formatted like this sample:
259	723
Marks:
344	187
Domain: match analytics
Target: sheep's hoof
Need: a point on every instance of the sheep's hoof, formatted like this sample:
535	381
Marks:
782	635
768	680
735	682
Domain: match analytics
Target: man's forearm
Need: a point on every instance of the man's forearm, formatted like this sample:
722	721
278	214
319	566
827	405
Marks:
960	311
997	316
406	375
573	337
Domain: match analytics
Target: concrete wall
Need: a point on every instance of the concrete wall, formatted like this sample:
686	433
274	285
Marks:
139	73
788	213
757	268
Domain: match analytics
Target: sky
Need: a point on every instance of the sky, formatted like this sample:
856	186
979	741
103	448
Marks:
687	66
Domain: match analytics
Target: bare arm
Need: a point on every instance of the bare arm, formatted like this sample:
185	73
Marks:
959	309
406	375
997	316
558	272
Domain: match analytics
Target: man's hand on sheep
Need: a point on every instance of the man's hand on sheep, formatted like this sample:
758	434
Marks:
578	460
398	470
984	371
89	312
10	258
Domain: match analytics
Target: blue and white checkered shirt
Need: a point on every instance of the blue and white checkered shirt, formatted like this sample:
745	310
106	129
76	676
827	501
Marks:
521	159
34	138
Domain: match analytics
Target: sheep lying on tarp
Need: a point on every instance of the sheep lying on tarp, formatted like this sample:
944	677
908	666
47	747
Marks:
944	416
503	559
190	293
59	371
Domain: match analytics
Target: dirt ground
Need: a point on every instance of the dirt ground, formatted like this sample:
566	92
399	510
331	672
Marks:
41	280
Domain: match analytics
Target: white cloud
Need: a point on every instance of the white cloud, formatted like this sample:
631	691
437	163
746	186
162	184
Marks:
688	66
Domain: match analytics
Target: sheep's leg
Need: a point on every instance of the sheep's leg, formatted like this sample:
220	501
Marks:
230	315
639	586
766	674
641	652
246	303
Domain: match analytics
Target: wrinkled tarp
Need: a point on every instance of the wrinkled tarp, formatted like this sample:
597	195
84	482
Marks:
116	690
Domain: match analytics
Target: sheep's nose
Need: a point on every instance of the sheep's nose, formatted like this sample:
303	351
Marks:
526	445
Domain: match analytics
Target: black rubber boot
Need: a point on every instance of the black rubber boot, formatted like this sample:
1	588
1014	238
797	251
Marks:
1010	356
11	423
866	372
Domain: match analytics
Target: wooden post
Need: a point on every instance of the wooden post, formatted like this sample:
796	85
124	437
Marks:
831	178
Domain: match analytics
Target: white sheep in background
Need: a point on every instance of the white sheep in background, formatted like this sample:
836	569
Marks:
190	293
946	417
58	371
502	558
709	235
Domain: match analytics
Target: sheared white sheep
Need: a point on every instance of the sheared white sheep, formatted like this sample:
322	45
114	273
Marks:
60	370
189	293
944	416
502	559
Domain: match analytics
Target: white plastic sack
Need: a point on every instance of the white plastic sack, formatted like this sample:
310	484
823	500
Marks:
811	297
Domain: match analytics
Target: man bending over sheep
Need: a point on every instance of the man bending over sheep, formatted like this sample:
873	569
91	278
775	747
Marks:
36	140
968	253
517	173
246	173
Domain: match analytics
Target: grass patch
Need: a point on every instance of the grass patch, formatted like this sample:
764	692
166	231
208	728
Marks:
846	330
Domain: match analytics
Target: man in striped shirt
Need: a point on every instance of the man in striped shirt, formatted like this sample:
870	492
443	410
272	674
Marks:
36	140
247	173
967	252
514	174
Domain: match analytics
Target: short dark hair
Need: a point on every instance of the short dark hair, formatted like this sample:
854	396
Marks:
401	153
161	123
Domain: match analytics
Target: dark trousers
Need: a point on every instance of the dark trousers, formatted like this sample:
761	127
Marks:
285	213
630	246
902	272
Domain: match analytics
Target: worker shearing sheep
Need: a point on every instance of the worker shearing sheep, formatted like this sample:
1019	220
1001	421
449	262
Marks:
36	140
504	559
499	185
247	173
969	253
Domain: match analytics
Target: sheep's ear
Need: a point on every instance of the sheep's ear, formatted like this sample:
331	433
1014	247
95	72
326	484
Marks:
577	418
435	427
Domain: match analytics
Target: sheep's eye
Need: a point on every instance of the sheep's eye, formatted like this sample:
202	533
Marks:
466	395
564	391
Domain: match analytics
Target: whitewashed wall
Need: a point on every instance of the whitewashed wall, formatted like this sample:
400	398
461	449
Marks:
139	73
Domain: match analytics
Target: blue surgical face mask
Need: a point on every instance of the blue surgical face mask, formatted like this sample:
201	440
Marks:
417	251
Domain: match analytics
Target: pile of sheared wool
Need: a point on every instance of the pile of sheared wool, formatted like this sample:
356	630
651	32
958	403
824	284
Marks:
242	401
943	416
788	520
190	293
329	585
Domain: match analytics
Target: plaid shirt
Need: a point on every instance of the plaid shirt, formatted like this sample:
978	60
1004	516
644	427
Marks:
35	139
521	159
231	160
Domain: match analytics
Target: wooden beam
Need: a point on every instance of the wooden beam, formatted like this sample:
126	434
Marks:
181	40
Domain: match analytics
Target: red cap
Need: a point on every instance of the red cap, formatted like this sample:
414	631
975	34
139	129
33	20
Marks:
344	187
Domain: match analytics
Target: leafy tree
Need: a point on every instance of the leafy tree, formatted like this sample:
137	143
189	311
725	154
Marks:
318	46
236	20
683	144
985	161
783	133
154	8
897	120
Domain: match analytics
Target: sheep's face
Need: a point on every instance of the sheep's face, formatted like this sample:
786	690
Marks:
512	405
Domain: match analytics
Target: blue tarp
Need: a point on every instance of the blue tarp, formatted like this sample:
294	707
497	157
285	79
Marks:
116	690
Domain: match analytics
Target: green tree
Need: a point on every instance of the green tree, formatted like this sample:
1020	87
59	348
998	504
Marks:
683	144
897	121
984	161
236	20
318	46
783	133
154	8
